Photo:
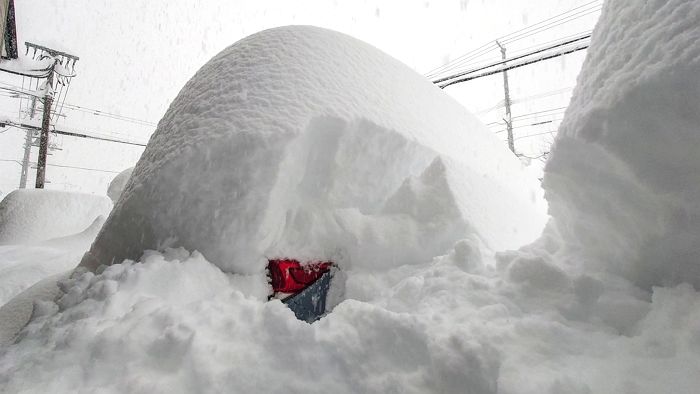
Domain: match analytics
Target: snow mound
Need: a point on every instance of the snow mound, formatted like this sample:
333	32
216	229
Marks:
33	215
176	323
116	187
623	181
299	141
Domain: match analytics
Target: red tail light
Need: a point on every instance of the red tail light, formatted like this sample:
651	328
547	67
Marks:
290	276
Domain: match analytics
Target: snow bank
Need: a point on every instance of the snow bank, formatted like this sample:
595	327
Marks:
303	142
176	323
33	215
116	187
623	181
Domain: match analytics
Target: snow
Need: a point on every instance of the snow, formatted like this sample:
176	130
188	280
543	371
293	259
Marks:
33	215
306	143
23	265
623	180
116	187
28	273
580	310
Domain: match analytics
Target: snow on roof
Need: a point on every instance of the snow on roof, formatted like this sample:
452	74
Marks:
294	140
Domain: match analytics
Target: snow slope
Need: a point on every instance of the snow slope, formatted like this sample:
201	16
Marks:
33	215
303	142
623	181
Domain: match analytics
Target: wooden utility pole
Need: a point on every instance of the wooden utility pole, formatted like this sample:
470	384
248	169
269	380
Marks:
28	142
508	119
41	52
44	137
25	160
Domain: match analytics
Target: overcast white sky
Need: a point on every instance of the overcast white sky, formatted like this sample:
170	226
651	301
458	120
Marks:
135	57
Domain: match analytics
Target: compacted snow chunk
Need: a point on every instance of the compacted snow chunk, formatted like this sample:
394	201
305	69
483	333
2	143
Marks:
33	215
300	142
623	181
116	187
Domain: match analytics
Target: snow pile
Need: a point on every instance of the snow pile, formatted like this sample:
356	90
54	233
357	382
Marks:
176	323
303	142
21	266
33	215
116	187
623	181
25	272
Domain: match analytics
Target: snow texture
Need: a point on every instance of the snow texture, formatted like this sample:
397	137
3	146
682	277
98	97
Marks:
306	143
29	272
565	314
33	215
23	265
116	187
623	181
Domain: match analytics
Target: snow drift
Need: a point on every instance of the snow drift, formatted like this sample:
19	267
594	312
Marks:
33	215
623	181
306	143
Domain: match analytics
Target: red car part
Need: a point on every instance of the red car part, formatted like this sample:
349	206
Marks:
290	276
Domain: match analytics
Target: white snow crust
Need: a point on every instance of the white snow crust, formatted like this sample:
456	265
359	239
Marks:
306	143
623	181
33	215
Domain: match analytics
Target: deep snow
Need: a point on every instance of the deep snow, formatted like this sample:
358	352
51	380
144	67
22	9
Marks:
305	143
623	180
562	315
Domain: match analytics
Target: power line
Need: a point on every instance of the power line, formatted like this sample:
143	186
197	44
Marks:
554	54
529	125
74	134
475	54
554	24
539	27
509	35
535	135
538	112
517	52
503	62
65	166
83	168
97	112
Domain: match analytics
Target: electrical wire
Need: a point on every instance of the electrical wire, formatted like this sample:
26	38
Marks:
18	90
63	166
553	24
533	135
544	25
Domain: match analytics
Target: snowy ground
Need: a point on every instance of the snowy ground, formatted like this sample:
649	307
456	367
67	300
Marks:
602	302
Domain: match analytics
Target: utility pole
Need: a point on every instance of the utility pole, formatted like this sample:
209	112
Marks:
41	52
27	149
44	136
508	119
25	160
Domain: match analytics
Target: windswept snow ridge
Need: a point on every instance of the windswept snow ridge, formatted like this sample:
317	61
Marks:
306	143
623	181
